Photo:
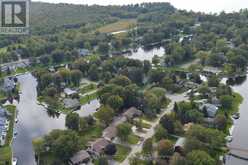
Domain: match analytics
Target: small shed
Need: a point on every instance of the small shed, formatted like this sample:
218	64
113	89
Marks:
81	157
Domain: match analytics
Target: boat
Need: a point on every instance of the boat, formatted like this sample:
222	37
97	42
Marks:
229	139
236	116
14	161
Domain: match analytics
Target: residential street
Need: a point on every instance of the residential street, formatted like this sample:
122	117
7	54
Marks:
150	132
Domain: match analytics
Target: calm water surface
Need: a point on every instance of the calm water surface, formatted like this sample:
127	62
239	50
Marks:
33	121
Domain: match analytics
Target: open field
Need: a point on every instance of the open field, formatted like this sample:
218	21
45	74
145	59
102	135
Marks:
118	26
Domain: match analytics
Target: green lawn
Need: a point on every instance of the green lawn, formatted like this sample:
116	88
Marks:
88	88
121	153
118	26
12	110
92	133
88	98
133	139
5	155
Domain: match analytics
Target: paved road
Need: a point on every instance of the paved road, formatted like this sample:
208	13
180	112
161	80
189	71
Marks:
150	132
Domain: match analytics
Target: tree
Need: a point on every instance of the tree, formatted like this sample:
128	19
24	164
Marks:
226	101
147	66
110	149
105	114
160	133
147	147
220	121
62	143
213	81
103	48
155	60
198	157
76	76
165	148
93	72
167	121
72	121
121	80
123	131
115	102
177	159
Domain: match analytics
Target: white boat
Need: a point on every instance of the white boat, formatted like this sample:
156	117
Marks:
14	161
229	139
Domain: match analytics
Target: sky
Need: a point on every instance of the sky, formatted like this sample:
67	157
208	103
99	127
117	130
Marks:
195	5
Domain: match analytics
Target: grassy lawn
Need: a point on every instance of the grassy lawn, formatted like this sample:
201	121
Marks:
92	133
118	26
12	110
88	88
121	153
133	139
238	99
87	98
5	151
5	155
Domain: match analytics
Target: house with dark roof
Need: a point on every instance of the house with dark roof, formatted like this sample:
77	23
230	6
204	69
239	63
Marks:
81	157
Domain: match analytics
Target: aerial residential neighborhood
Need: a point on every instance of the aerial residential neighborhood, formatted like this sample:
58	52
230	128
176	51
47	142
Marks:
132	84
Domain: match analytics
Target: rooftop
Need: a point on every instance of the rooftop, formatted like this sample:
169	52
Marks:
79	157
99	145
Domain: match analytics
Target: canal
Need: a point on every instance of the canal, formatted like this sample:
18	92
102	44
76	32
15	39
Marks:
33	121
146	54
240	133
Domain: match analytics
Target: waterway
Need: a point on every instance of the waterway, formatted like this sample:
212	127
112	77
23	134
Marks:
146	54
33	121
240	134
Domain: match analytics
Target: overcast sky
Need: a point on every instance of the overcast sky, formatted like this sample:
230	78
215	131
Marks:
196	5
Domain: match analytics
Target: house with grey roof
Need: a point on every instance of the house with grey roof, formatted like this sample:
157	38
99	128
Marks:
81	157
8	84
210	108
69	92
71	103
110	133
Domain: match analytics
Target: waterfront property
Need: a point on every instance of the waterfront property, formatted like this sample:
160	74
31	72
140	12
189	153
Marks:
8	84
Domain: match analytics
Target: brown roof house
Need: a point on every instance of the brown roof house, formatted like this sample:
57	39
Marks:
81	157
110	132
99	146
132	113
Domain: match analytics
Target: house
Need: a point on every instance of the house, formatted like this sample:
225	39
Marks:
71	103
81	157
210	108
132	113
110	133
8	84
179	145
69	92
83	52
215	101
99	146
